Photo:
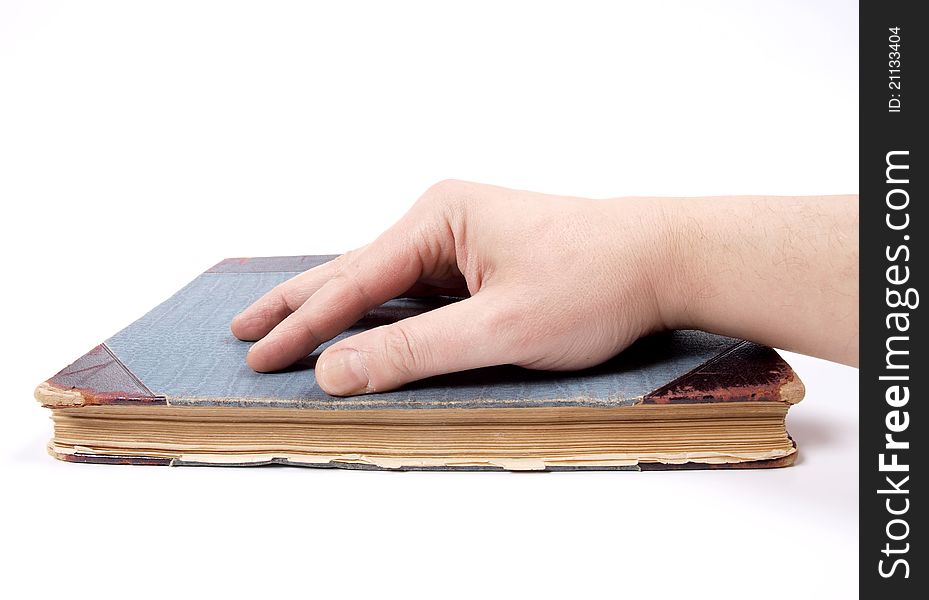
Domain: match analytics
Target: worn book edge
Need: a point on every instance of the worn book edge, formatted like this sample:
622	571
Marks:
100	378
359	461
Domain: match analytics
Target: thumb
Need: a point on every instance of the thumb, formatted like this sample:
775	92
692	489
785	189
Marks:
460	336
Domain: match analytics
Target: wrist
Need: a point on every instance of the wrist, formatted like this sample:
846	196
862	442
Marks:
657	233
680	236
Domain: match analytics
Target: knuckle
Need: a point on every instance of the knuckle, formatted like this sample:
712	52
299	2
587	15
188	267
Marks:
264	313
447	191
279	298
301	332
288	301
451	200
347	261
447	186
348	282
402	353
346	258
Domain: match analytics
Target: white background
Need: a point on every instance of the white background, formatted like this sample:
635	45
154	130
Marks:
142	142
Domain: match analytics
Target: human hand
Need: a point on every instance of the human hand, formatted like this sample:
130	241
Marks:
554	283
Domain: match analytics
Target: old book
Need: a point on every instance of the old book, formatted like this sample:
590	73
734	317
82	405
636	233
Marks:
173	388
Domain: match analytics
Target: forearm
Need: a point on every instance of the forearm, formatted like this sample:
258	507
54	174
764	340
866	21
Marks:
782	271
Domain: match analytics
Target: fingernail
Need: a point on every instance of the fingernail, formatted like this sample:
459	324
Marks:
342	373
